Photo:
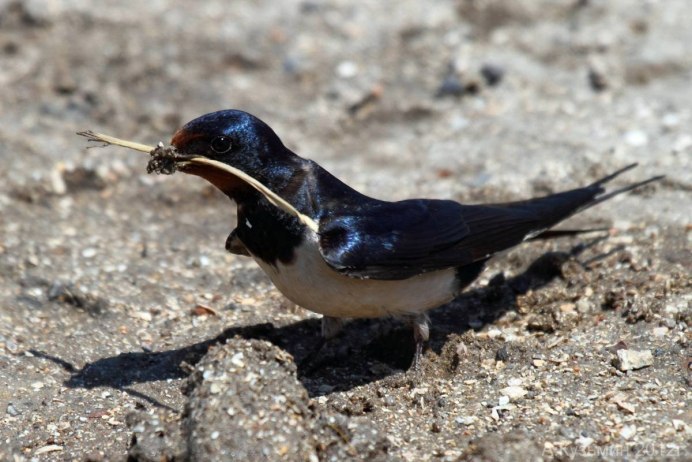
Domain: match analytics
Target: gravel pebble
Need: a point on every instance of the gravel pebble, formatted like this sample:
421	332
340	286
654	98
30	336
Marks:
514	392
628	360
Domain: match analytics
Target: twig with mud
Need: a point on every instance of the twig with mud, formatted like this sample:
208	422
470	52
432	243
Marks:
166	160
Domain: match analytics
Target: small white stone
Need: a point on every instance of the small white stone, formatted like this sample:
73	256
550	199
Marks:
628	431
494	332
584	442
504	400
660	331
347	69
458	123
682	143
670	120
636	138
671	309
679	425
214	388
143	315
513	393
466	420
57	182
214	435
47	449
628	360
237	360
583	305
89	252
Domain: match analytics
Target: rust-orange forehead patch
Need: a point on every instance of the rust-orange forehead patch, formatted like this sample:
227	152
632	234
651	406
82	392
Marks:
183	137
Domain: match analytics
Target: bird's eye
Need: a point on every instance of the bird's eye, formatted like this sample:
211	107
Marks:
221	144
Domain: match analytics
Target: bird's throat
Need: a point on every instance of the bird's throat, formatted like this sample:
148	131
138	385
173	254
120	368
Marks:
229	184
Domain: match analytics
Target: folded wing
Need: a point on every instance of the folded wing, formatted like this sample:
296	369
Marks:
398	240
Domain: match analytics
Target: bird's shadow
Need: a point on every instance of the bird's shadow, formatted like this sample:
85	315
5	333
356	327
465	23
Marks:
366	350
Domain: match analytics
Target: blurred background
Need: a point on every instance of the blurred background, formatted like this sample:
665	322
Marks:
455	91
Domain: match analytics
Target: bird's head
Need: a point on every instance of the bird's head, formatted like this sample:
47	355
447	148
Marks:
238	139
232	137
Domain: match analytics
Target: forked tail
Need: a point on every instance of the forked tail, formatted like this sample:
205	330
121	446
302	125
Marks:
496	227
598	195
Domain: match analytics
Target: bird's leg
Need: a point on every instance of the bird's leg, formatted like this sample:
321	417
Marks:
235	245
421	334
330	328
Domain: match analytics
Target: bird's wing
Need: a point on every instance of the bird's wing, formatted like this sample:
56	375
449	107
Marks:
392	240
402	239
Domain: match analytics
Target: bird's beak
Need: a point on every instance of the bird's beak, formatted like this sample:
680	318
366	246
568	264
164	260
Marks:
229	180
194	164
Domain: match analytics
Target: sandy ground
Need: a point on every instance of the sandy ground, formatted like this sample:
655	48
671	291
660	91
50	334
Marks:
117	297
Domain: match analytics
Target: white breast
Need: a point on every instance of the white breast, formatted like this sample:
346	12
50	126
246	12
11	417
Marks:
309	282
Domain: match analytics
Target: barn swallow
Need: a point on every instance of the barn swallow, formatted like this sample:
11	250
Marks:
355	256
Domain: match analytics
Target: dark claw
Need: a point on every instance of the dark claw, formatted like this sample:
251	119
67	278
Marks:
421	334
417	356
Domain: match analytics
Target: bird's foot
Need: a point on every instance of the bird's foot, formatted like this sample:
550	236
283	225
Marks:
417	358
421	334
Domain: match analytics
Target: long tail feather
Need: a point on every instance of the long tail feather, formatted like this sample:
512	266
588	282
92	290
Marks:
614	175
496	227
557	233
597	200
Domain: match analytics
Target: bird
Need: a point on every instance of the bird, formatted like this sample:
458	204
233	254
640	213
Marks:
346	255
